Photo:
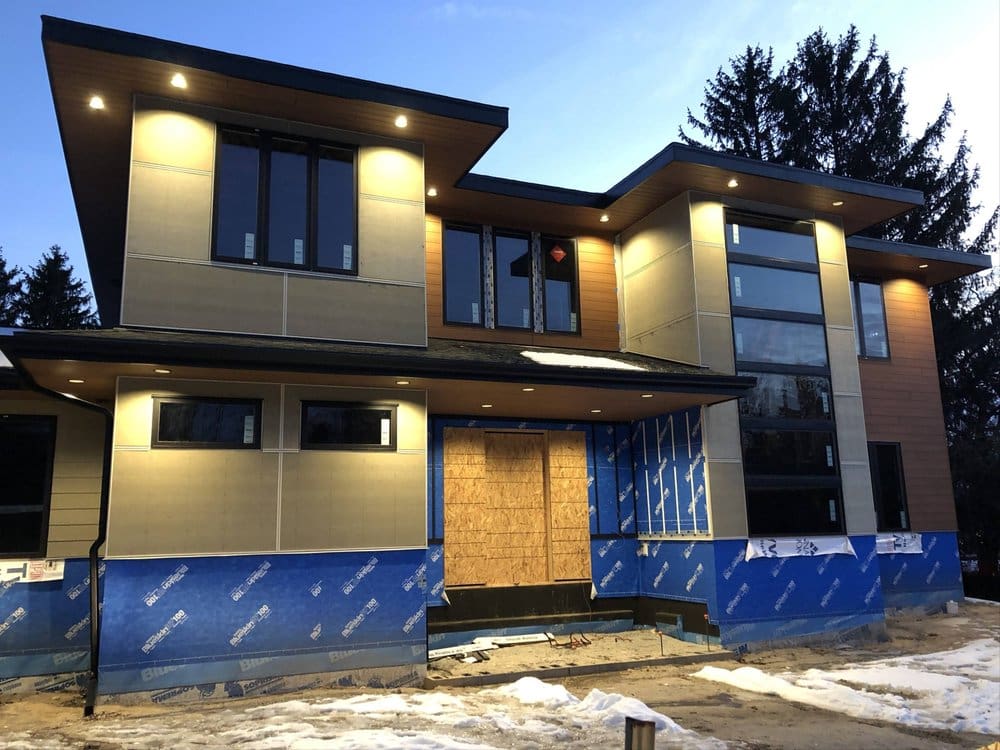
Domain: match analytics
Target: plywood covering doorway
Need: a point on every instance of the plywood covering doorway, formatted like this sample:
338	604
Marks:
515	507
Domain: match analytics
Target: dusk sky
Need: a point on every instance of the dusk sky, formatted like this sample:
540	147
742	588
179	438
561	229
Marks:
593	88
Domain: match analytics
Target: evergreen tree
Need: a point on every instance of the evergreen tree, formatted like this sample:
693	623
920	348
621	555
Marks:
836	107
52	298
10	293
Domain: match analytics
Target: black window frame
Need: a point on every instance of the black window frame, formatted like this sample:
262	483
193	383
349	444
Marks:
392	408
786	483
43	537
478	229
264	147
512	234
256	403
575	289
859	322
873	465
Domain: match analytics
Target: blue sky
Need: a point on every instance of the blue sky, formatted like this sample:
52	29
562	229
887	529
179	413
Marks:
593	89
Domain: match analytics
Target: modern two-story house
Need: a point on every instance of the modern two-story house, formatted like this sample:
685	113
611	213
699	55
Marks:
352	400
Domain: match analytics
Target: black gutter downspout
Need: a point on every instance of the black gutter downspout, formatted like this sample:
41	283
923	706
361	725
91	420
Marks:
90	697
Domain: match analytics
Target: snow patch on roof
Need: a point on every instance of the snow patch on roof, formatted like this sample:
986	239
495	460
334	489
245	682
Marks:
558	359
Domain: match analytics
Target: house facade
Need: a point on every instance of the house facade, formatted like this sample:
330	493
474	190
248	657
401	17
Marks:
352	401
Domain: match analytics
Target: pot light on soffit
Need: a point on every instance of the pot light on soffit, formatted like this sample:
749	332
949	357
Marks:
923	265
432	192
605	218
96	102
733	183
178	81
401	121
838	204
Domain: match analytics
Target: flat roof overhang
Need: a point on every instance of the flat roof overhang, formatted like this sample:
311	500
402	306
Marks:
672	171
85	60
458	377
882	259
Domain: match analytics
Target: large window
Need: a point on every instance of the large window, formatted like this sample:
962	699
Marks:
194	422
789	442
871	335
27	445
888	487
463	269
510	279
332	425
284	202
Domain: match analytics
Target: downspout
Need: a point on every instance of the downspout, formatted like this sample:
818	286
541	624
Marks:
90	696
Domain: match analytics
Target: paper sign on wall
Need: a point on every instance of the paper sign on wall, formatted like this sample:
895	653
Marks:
248	246
248	425
348	256
385	431
739	342
572	322
475	312
525	317
298	253
829	455
833	510
737	286
826	402
31	571
736	234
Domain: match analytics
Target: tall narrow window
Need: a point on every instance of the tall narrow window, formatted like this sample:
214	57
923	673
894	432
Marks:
463	268
236	180
888	487
559	262
335	210
288	200
869	316
513	281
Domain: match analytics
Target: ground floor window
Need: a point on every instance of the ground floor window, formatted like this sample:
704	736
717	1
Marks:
888	487
334	425
27	448
196	422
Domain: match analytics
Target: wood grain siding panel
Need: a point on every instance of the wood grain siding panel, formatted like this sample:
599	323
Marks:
902	404
598	299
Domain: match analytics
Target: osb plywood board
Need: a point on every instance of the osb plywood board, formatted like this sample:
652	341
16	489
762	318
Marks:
515	507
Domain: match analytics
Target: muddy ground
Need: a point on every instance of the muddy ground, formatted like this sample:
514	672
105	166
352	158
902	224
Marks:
743	719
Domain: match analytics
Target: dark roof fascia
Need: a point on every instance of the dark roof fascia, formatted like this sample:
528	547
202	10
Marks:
923	252
678	152
377	361
9	380
124	43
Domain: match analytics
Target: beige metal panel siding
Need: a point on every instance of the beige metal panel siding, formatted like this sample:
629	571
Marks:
727	498
711	275
174	139
836	294
355	310
391	239
391	172
76	473
353	499
722	431
859	505
844	374
675	336
663	231
653	295
717	342
851	436
411	415
134	411
181	501
170	212
202	297
708	223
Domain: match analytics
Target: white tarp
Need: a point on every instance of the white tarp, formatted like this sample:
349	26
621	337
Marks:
809	546
898	543
31	571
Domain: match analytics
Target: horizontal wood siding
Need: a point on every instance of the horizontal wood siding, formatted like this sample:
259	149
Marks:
902	399
598	300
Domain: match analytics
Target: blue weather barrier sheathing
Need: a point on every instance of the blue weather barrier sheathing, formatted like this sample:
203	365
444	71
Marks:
683	570
45	626
926	579
205	620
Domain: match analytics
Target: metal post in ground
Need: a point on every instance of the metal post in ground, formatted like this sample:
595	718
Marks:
639	734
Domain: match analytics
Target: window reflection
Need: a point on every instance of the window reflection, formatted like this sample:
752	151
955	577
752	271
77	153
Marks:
779	341
462	276
513	281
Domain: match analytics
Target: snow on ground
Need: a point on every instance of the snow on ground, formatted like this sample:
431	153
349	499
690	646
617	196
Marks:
957	690
527	714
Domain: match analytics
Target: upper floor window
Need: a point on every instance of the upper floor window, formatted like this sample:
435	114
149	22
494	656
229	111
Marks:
871	336
770	238
283	201
510	279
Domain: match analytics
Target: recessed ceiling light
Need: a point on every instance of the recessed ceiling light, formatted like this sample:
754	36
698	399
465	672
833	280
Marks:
96	102
487	406
402	382
838	203
401	121
432	192
595	411
77	381
178	81
646	395
161	371
922	265
527	390
733	183
605	218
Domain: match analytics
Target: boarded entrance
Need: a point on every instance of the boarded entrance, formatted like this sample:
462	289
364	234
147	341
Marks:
515	507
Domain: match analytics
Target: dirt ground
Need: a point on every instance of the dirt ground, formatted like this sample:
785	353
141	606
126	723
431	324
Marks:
742	719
